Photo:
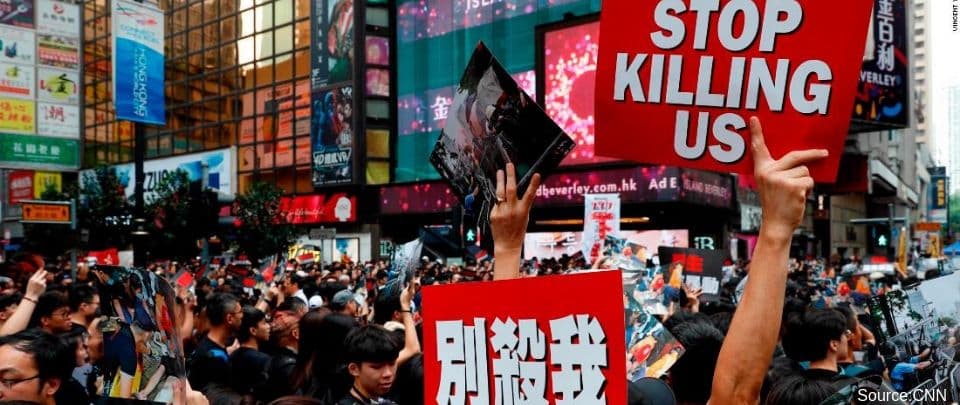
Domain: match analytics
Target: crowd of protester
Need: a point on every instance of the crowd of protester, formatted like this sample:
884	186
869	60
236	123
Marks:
347	333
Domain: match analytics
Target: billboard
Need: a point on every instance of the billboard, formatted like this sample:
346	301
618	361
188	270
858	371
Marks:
319	208
939	196
18	46
569	63
332	136
138	64
882	95
332	48
17	116
221	174
542	245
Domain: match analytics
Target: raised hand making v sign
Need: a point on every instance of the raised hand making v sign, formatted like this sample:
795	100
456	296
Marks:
748	348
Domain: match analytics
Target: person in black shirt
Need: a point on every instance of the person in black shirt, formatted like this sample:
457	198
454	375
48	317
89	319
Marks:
248	363
84	306
210	361
371	355
285	334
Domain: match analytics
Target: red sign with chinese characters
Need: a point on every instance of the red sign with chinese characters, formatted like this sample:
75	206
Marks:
319	209
19	186
484	341
678	80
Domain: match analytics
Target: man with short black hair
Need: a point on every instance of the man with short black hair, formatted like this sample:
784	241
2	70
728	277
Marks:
84	306
210	361
691	377
293	285
249	363
52	313
33	366
371	357
818	336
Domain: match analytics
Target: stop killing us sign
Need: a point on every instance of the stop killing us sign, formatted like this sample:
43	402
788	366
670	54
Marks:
678	80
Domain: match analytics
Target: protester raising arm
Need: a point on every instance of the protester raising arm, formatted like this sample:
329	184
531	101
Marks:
748	348
21	317
508	222
411	345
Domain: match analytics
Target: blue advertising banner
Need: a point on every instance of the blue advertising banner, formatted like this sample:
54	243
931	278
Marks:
138	66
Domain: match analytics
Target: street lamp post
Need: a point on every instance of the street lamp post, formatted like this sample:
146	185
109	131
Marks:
139	233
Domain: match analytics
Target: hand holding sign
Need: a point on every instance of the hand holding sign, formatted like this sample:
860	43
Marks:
783	184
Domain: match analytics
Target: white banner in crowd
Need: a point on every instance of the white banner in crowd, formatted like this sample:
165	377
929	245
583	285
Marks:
406	257
601	218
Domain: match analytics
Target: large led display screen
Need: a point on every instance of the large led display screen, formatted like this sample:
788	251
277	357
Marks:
435	39
570	65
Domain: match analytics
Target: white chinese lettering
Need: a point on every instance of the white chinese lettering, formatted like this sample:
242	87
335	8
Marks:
441	108
463	357
579	348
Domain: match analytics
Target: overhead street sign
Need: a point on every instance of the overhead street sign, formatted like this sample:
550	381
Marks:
46	212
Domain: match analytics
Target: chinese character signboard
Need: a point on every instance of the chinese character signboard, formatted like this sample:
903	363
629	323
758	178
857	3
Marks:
138	63
24	151
939	196
46	212
601	218
18	13
17	116
677	85
58	18
58	86
332	54
43	181
332	136
58	51
17	45
16	81
882	95
19	186
58	120
491	343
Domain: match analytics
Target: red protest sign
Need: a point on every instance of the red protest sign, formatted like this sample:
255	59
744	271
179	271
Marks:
545	339
678	80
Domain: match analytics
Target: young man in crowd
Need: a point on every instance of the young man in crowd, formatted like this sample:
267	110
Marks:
248	363
52	313
210	361
33	366
820	337
285	334
371	357
293	286
84	306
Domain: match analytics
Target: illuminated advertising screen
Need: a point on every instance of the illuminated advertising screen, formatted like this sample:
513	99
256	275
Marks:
544	245
435	39
569	56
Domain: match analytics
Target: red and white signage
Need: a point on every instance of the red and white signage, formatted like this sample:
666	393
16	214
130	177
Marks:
19	186
490	343
108	257
678	80
320	209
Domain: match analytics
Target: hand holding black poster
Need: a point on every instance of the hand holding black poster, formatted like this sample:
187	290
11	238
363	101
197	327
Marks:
492	123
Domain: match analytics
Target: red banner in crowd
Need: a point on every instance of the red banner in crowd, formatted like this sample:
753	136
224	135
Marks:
109	257
319	209
19	186
677	80
502	341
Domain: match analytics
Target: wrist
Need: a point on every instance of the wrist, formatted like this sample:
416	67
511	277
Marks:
30	299
506	250
776	234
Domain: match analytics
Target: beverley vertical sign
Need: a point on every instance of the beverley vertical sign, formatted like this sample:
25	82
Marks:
138	67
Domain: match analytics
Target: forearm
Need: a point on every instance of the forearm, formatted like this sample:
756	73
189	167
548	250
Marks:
20	318
507	265
411	344
186	329
748	348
